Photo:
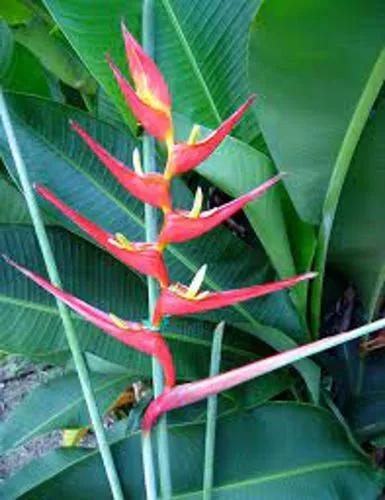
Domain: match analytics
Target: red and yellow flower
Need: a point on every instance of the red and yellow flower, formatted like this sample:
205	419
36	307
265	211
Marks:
151	104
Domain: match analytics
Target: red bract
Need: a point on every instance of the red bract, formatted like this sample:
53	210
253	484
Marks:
192	392
154	117
180	225
150	188
177	299
184	156
130	333
149	81
143	257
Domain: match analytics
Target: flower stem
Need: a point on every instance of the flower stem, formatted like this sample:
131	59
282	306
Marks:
69	330
212	403
149	165
148	467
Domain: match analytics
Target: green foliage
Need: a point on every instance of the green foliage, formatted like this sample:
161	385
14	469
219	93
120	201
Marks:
357	246
260	467
58	404
317	69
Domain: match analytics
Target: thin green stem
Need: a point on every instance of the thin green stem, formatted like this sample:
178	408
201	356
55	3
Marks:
148	467
212	403
149	165
69	330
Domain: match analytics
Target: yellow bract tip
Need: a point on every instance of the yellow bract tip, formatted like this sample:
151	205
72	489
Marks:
197	205
118	322
137	162
121	242
194	134
196	283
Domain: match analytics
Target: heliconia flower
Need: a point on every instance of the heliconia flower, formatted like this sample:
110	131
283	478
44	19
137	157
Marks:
153	115
181	225
143	257
178	299
133	334
186	156
151	188
185	394
149	82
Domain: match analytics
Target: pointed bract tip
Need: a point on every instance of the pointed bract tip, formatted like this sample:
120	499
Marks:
252	98
7	259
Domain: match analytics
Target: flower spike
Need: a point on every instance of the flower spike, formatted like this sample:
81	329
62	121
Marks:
185	394
130	333
156	120
149	82
186	156
177	300
181	225
143	257
150	188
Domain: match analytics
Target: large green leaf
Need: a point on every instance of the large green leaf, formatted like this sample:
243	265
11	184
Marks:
31	324
200	46
301	56
236	168
357	246
15	12
19	70
67	166
13	209
57	404
280	450
55	54
93	30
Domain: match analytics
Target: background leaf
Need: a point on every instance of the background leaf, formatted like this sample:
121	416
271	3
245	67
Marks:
301	56
201	49
20	70
308	457
357	247
57	404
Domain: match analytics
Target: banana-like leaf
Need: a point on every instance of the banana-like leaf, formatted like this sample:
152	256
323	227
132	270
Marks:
280	450
57	404
357	246
300	58
31	324
68	168
20	70
200	47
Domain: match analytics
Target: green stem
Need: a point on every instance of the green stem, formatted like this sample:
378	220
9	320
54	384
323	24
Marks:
148	467
212	403
69	330
149	165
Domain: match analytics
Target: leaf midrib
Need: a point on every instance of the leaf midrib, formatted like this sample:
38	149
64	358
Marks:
190	56
21	303
299	471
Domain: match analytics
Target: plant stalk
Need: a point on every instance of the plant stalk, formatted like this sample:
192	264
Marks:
148	467
69	330
149	165
212	404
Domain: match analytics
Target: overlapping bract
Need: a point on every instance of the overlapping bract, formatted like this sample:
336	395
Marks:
150	102
133	334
